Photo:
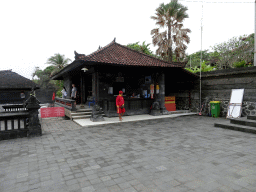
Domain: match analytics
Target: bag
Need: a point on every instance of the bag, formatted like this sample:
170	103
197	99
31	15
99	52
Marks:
121	106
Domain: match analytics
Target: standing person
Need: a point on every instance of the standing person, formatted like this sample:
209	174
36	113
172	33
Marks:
120	105
64	93
53	99
74	92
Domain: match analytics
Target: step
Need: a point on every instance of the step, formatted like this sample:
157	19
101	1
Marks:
236	127
179	111
251	117
84	116
83	110
244	121
81	113
81	117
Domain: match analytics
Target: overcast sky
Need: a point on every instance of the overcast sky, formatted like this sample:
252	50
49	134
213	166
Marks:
32	31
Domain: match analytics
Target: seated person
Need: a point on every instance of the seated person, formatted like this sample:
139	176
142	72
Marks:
133	95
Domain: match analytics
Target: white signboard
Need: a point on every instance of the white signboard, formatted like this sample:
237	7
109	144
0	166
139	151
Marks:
235	104
236	96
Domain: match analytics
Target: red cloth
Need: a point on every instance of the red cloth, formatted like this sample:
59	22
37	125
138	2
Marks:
53	96
119	110
119	100
119	103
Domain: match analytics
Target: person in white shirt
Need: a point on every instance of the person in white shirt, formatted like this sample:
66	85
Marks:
64	93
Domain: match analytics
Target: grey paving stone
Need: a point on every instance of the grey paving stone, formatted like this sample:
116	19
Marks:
114	188
95	181
109	183
88	189
178	152
71	182
125	185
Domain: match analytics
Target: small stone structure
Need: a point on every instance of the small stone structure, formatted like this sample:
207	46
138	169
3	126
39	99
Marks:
97	114
34	126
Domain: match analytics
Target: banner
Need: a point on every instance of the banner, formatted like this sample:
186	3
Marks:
52	112
152	90
157	89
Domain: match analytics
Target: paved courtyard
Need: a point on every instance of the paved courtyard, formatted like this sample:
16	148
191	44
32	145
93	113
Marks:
183	154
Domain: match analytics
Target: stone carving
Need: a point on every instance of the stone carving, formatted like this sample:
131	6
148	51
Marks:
156	105
97	114
155	111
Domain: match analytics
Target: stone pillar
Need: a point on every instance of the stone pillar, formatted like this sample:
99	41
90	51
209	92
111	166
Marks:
162	93
34	126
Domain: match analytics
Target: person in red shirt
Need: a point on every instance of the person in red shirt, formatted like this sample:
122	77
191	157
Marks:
120	105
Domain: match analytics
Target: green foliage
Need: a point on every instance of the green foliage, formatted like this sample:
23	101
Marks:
196	57
143	48
235	51
239	64
44	76
242	64
204	67
57	62
44	81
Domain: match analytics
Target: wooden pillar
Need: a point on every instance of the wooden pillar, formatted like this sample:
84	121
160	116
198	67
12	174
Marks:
95	86
82	87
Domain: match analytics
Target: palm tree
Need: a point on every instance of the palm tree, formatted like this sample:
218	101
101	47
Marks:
170	16
179	38
58	61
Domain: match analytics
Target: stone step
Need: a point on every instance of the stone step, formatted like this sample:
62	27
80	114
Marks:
84	110
84	116
235	127
80	113
251	117
81	117
179	111
243	121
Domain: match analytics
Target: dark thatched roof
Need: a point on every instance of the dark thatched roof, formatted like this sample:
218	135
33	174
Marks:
12	80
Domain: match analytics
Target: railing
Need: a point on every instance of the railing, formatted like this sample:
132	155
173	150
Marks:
66	103
15	107
20	120
13	124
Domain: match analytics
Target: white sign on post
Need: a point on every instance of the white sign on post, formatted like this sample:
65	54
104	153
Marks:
235	103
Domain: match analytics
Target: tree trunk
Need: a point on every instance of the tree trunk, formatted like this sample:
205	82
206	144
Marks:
169	52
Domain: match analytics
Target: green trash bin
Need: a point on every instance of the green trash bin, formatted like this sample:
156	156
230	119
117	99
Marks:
215	108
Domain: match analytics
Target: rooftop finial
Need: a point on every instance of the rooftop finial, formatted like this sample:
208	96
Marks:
114	40
99	47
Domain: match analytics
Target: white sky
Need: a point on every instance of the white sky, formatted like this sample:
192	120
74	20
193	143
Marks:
31	30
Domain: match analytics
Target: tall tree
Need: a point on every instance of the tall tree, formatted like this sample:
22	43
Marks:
179	38
58	61
169	16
